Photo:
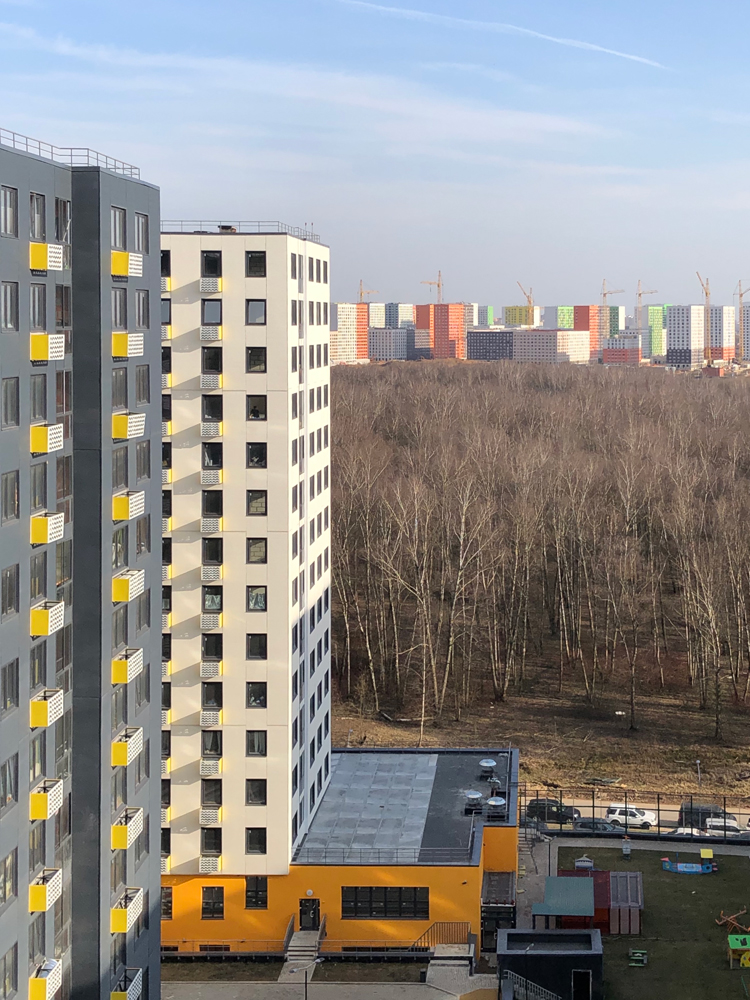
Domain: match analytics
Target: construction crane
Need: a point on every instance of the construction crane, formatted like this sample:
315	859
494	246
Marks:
706	319
742	354
529	296
365	291
438	284
639	300
606	292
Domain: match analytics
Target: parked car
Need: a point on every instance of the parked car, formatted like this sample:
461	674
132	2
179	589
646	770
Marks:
595	826
687	831
630	816
695	814
551	811
721	824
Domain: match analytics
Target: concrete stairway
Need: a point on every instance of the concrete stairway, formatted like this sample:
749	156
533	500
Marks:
302	951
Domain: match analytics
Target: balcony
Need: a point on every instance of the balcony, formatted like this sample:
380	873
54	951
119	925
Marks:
166	525
166	815
166	284
47	347
130	985
45	708
209	574
166	380
210	621
128	425
166	428
45	257
45	890
211	380
210	767
210	717
166	572
127	665
127	345
47	618
126	829
166	717
212	477
129	505
212	429
166	620
166	476
211	668
126	747
46	799
210	286
210	333
166	766
126	265
165	864
209	525
210	815
166	331
46	981
45	438
126	911
209	864
47	527
166	668
127	586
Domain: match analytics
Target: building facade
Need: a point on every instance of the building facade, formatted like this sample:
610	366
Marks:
551	346
399	314
485	316
246	606
520	315
79	363
558	317
390	344
376	313
685	336
623	349
348	331
493	343
722	333
450	330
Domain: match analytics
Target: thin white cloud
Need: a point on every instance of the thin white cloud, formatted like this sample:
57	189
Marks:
472	69
498	27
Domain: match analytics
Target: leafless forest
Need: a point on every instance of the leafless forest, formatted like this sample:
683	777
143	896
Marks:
500	527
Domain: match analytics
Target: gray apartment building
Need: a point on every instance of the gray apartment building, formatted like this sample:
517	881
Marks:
80	544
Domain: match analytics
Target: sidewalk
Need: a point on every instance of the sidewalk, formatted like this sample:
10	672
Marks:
289	991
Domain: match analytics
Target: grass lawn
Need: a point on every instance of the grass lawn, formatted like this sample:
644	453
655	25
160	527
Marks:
368	972
687	956
205	972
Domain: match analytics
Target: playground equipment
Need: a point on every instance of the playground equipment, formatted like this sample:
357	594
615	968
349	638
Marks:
738	947
706	867
637	958
731	922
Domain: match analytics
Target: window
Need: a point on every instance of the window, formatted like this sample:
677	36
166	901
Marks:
212	695
255	743
120	467
119	388
325	387
294	498
255	312
142	385
119	298
212	409
325	272
210	314
211	841
120	547
255	264
8	687
166	600
211	743
117	226
257	646
8	783
166	311
382	901
213	454
212	896
38	400
143	612
8	883
166	744
166	263
37	845
255	840
37	217
119	627
8	211
166	408
255	793
142	687
294	406
9	602
256	408
256	887
257	598
63	307
143	460
143	535
64	485
294	315
37	939
257	694
11	411
38	576
257	503
213	551
141	309
256	359
211	360
212	646
166	454
37	307
211	792
10	497
212	503
212	599
9	306
141	233
257	455
166	894
210	263
257	550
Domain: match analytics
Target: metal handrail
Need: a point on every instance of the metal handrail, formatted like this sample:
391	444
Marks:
528	989
289	933
230	225
382	855
444	932
234	946
73	156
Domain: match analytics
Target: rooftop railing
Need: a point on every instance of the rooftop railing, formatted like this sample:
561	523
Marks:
72	156
220	226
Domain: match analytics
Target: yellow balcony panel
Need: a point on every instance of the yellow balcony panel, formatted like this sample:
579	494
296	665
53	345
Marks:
166	620
166	476
129	505
47	527
210	286
46	346
129	986
212	477
209	864
47	618
129	585
166	815
210	717
127	746
127	425
126	829
45	890
211	333
166	525
45	438
165	864
210	767
166	331
45	257
46	981
166	766
127	665
166	717
211	380
211	621
166	428
166	668
45	708
210	815
211	668
166	572
166	284
166	380
127	265
127	345
126	911
46	799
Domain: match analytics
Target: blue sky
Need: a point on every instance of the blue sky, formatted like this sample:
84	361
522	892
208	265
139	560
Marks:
551	143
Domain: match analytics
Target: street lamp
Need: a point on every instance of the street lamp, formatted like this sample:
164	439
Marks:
304	969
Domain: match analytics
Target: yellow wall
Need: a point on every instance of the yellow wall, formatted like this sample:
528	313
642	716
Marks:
500	849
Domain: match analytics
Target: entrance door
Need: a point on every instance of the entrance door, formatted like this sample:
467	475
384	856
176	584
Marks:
309	914
581	984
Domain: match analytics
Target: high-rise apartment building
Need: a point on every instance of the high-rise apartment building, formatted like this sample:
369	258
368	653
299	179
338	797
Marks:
399	315
376	313
349	325
722	333
595	319
557	317
490	343
522	316
246	607
390	343
650	324
622	349
79	868
450	330
471	314
685	336
485	316
551	346
616	321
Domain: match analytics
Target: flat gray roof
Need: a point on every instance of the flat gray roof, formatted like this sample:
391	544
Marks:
404	807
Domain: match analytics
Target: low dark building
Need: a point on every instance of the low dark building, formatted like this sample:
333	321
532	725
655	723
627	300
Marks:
489	344
567	963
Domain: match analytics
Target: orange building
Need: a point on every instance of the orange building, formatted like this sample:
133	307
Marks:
595	319
363	322
622	350
450	330
424	325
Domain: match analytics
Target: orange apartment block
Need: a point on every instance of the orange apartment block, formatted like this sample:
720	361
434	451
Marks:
622	350
595	319
424	324
363	322
450	330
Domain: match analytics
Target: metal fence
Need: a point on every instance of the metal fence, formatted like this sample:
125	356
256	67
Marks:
73	156
228	225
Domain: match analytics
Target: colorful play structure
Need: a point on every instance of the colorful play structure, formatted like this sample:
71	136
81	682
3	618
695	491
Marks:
706	867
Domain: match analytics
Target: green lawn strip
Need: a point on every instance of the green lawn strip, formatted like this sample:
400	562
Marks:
207	972
687	955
